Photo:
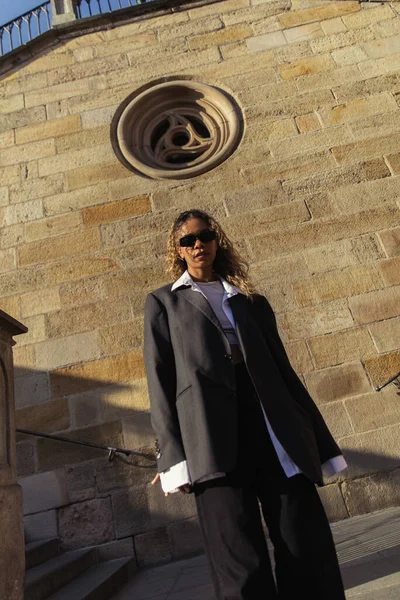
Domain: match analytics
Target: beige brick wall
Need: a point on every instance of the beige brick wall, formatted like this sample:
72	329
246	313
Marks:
311	196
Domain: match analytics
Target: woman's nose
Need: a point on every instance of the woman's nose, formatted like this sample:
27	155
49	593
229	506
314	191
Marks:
198	243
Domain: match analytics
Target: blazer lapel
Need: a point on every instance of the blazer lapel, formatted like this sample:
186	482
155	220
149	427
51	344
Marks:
198	300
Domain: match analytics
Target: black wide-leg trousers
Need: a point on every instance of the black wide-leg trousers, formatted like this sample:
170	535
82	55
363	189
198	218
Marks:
306	565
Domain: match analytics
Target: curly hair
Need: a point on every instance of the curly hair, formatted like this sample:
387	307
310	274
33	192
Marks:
228	263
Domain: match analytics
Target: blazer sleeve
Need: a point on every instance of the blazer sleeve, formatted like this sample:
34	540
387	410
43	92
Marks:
327	446
161	379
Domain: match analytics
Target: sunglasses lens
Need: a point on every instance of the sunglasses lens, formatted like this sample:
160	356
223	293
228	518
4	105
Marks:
187	240
204	236
207	236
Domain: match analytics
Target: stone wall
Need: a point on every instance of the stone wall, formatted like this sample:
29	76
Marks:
311	196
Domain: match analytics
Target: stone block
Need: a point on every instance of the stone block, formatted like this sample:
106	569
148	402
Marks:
308	15
119	338
343	253
52	60
49	417
266	219
332	26
348	56
4	196
309	235
88	317
12	104
383	367
15	214
185	538
36	330
117	549
31	389
86	291
64	271
365	194
120	45
49	129
357	89
118	401
44	491
25	84
7	260
393	160
386	334
24	152
24	360
70	201
53	354
93	119
152	548
258	14
116	211
372	451
216	9
81	483
375	306
337	419
10	305
137	431
40	526
308	122
336	383
314	321
83	54
20	281
387	28
337	284
125	473
53	454
25	458
303	32
266	41
390	271
59	247
83	139
306	66
292	52
364	18
380	66
334	504
191	28
358	108
376	492
74	75
373	410
57	109
102	153
299	357
131	512
22	118
53	226
376	168
33	188
340	347
7	138
86	524
85	409
309	142
40	302
86	176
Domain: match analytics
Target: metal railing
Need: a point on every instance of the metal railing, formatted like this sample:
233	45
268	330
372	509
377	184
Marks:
112	450
89	8
25	28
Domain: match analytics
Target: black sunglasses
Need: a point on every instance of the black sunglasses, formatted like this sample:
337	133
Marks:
205	236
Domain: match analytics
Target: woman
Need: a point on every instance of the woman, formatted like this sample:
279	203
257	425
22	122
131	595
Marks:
235	425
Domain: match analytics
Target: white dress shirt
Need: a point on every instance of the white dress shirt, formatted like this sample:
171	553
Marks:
178	474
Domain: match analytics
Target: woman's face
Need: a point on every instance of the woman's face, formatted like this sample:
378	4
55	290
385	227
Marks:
201	256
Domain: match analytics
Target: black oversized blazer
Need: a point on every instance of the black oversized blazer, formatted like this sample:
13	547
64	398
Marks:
191	383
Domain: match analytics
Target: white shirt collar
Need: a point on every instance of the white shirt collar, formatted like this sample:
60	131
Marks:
185	279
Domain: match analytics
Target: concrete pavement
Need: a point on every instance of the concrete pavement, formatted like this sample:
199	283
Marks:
368	547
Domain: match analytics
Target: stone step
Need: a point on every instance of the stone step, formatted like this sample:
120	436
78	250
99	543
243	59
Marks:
47	578
37	553
99	582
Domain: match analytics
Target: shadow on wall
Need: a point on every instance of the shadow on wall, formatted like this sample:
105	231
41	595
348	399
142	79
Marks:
74	492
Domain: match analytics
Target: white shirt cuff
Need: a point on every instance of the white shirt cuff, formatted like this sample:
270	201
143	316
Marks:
176	476
334	465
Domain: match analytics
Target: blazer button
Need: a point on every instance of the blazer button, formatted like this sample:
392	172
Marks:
228	356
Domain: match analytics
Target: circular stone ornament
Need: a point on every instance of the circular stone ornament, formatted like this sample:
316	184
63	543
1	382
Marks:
177	130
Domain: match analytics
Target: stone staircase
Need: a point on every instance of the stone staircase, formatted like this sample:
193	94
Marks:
74	575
